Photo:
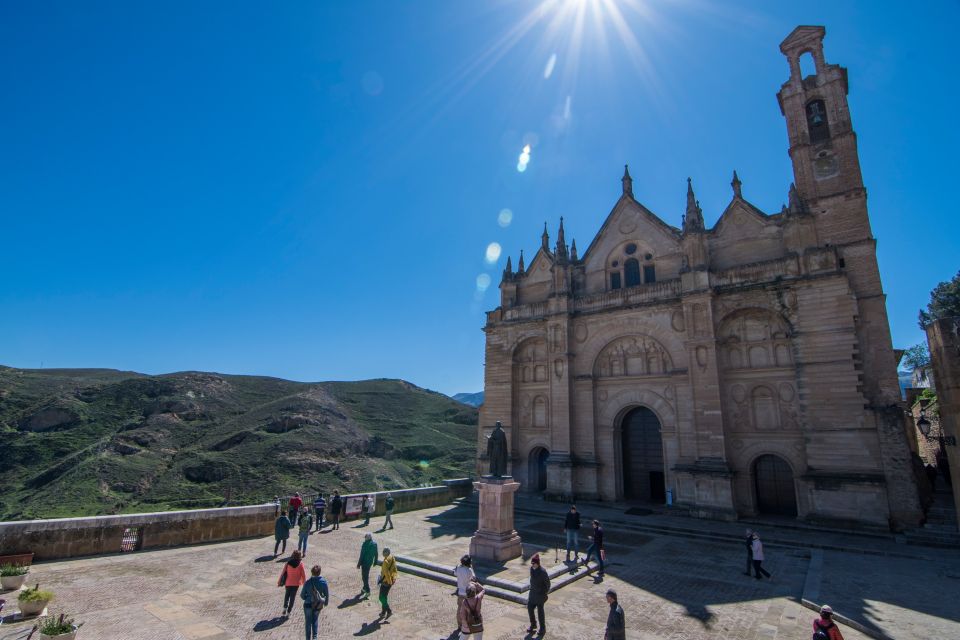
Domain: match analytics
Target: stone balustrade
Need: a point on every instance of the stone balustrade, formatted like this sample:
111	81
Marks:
73	537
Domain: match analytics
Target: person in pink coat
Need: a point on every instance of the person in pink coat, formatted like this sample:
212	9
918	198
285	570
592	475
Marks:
291	578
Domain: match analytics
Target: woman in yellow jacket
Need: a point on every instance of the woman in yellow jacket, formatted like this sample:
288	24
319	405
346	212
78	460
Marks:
388	576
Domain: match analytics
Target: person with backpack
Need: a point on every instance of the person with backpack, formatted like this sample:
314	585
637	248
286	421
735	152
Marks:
465	577
571	527
292	577
281	532
824	628
469	617
319	506
757	548
537	597
315	596
388	505
368	558
388	577
596	547
616	625
748	541
306	523
336	507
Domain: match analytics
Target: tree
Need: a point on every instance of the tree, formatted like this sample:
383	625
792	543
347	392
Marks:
944	302
916	357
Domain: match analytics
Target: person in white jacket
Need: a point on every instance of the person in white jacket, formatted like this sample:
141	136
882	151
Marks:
757	548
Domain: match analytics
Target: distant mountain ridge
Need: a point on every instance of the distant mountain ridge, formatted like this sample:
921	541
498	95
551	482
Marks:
92	441
472	399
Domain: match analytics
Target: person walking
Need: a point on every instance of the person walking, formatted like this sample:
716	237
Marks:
336	506
365	510
596	547
294	508
319	506
315	596
571	527
368	557
306	523
469	617
757	548
537	597
292	577
465	576
281	532
824	627
388	576
388	506
748	541
616	625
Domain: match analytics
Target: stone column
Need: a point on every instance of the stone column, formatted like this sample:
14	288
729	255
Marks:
496	539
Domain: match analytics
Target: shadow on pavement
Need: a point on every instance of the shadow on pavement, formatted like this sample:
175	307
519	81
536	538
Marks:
368	627
272	623
349	602
266	558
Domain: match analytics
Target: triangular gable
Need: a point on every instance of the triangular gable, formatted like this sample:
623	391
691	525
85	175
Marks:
742	212
627	211
539	268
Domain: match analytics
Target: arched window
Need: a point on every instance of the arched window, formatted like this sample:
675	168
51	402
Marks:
817	121
631	272
615	280
807	65
649	273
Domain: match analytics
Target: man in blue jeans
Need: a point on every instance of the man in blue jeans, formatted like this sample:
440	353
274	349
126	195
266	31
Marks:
596	547
571	527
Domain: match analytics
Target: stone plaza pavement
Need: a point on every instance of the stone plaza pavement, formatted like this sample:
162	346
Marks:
672	586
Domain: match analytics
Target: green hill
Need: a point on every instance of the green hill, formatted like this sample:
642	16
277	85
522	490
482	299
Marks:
94	441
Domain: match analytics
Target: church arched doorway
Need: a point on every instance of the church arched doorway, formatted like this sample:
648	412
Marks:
773	478
537	469
642	449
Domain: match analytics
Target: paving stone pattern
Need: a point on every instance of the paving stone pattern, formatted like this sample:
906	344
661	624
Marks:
671	587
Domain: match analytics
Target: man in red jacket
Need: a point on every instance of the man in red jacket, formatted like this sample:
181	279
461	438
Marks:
295	503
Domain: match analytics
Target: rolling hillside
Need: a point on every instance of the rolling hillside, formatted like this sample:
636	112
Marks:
94	441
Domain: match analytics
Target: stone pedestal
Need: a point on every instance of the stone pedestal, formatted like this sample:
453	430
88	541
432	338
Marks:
496	539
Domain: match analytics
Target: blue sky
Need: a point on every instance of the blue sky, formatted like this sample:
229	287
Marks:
308	190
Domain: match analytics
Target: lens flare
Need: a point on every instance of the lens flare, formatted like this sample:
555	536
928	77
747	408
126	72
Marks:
493	252
483	282
551	63
505	218
524	159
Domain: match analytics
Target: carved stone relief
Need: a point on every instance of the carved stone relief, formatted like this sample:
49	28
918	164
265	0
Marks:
633	356
676	321
580	333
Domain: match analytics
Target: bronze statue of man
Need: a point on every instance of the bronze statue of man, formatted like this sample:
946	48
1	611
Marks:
497	451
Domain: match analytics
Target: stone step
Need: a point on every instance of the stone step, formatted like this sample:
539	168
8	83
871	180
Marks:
769	540
496	587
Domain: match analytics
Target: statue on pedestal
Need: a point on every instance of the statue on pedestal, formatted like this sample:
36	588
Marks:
495	538
497	451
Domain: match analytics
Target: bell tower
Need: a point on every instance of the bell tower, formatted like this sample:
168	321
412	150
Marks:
823	145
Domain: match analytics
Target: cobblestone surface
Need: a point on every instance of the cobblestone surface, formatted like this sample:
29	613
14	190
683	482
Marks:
671	588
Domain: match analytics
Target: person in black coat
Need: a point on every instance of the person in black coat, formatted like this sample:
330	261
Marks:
596	547
336	506
616	625
571	527
539	588
748	541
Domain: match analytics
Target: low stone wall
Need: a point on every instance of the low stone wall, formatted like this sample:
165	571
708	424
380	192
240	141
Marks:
422	498
72	537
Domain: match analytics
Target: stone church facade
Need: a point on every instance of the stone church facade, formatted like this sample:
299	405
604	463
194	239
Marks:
735	370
